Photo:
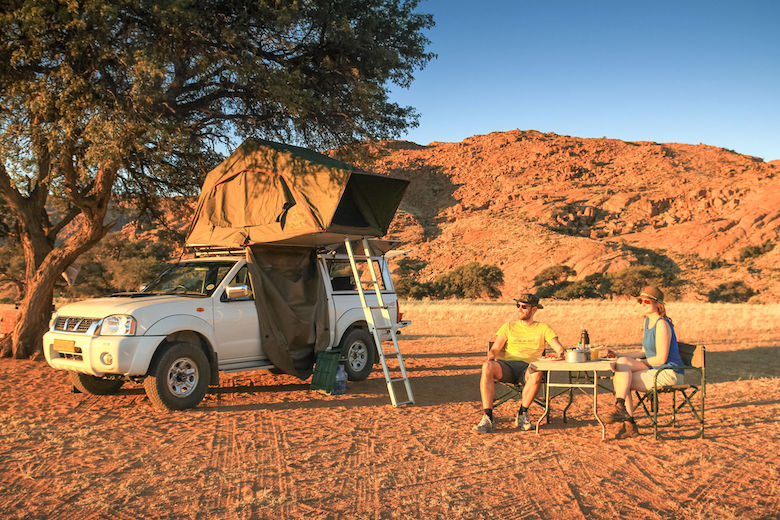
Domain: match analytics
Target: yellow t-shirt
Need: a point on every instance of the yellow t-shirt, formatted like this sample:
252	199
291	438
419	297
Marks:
523	342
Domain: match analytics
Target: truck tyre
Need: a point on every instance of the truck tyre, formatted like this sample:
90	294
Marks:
179	378
359	352
88	384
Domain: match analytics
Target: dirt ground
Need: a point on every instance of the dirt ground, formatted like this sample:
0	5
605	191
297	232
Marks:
265	446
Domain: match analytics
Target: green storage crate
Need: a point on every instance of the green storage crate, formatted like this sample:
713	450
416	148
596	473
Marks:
324	377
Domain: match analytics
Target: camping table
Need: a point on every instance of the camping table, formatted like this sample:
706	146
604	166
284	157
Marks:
554	365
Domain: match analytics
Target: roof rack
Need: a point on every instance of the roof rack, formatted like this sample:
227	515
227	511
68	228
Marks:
206	251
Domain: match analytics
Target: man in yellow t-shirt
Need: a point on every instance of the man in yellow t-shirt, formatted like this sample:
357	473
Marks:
517	344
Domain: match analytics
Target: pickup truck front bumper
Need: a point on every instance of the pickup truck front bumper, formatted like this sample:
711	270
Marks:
100	355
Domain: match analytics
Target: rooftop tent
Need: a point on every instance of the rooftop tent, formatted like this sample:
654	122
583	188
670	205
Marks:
272	193
281	203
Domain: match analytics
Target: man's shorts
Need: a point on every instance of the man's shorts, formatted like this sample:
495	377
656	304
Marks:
666	377
513	371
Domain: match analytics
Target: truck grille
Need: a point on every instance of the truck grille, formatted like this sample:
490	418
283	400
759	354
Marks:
70	324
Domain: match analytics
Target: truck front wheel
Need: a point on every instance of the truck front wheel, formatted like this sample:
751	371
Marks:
359	352
179	378
88	384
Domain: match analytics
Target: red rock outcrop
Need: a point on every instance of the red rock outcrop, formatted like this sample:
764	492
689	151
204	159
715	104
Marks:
525	200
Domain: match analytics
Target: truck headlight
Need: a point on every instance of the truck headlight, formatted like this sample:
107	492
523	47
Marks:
117	325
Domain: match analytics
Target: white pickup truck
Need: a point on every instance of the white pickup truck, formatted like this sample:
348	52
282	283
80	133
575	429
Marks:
196	319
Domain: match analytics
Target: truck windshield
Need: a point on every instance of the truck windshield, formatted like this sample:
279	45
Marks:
190	279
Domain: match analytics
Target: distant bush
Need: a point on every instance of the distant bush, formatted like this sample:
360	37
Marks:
731	292
410	266
632	279
553	275
472	280
714	263
754	251
117	265
596	285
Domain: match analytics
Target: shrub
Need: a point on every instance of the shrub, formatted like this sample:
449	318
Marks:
731	292
632	279
754	251
472	280
410	267
553	275
118	264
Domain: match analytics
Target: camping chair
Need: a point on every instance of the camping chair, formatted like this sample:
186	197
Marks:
510	391
693	357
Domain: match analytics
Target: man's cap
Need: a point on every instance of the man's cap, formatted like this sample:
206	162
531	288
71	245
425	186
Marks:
530	299
652	292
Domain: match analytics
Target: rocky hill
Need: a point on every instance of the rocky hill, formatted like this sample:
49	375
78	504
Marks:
525	200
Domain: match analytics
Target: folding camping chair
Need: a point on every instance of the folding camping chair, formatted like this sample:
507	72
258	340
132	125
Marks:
694	359
511	391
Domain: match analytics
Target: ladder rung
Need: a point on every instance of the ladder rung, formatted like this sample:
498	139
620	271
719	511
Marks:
398	379
399	403
378	307
383	327
388	352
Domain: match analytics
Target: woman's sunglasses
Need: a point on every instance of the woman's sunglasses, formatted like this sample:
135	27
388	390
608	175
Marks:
524	306
645	302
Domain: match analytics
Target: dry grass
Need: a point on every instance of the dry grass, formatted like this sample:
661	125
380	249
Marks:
617	323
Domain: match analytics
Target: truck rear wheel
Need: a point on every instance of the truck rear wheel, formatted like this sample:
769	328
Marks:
359	352
179	378
88	384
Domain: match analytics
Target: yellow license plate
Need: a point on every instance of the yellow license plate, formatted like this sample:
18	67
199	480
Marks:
64	345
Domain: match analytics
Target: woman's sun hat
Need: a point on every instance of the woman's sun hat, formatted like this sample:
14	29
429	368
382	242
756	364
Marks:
652	292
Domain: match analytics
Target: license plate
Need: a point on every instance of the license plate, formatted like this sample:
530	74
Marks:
64	345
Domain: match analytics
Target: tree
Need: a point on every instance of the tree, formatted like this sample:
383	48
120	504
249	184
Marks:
553	275
632	279
471	280
129	99
735	291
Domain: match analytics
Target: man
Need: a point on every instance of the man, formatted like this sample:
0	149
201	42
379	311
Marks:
517	344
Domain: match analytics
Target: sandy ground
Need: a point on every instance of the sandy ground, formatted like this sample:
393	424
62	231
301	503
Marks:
265	446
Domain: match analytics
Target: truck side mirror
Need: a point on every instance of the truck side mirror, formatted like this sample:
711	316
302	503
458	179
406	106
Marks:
234	292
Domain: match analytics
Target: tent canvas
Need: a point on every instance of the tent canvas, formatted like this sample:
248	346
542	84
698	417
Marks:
269	192
281	203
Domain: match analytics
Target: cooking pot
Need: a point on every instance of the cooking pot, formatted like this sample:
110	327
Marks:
576	355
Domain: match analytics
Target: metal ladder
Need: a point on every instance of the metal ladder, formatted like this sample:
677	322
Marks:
386	322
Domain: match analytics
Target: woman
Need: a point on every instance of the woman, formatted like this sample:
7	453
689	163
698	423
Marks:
637	370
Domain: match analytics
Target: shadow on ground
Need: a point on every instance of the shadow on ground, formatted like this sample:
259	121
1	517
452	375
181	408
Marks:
750	363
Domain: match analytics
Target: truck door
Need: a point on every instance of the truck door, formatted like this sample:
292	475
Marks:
235	324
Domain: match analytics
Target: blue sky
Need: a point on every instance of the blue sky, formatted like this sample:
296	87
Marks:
686	71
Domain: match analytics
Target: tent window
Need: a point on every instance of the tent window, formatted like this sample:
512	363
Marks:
347	213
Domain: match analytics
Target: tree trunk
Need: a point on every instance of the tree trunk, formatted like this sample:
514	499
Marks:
27	338
36	307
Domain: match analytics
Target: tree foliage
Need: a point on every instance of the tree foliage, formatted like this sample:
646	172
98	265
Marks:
130	99
553	275
472	280
735	291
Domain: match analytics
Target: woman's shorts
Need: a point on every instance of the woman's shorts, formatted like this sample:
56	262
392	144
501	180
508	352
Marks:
666	377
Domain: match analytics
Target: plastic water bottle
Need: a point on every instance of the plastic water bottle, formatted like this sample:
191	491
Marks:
340	386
